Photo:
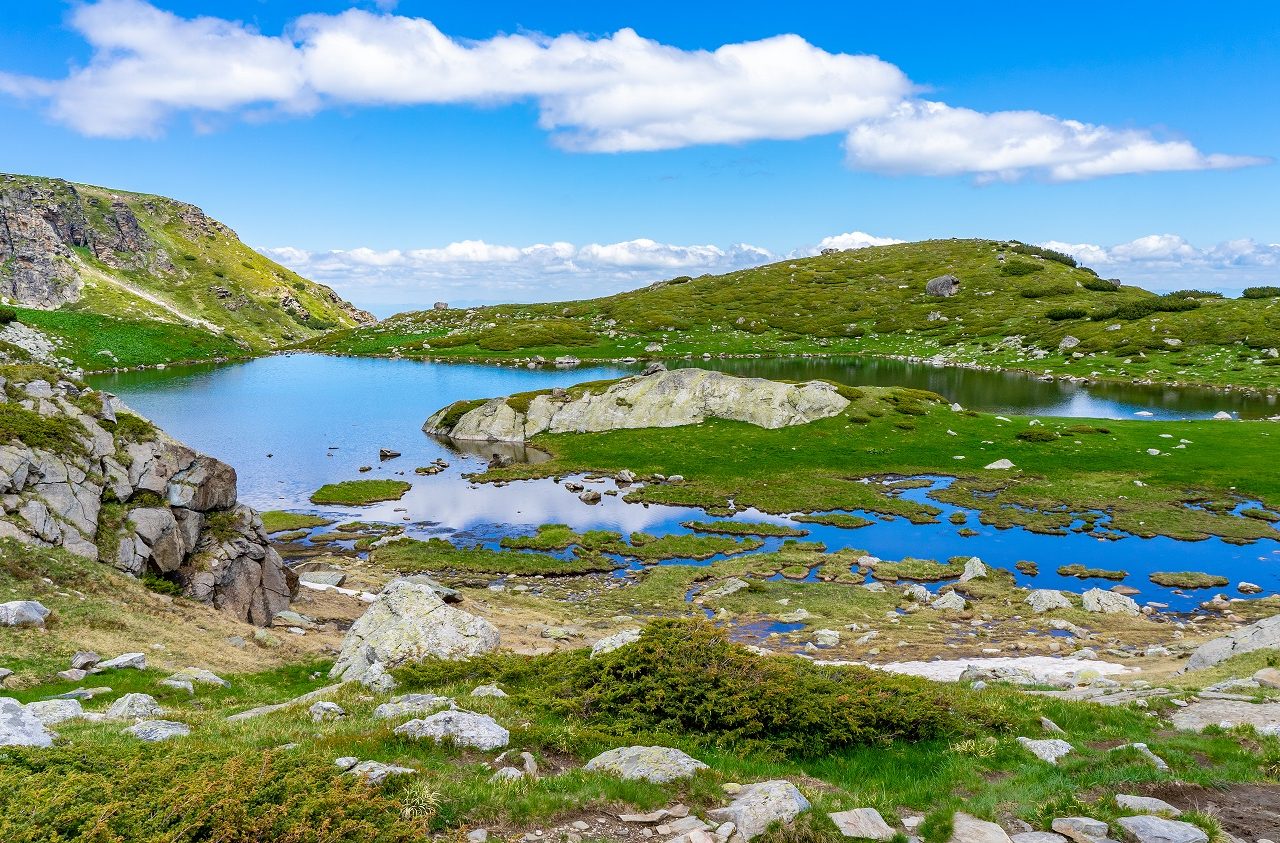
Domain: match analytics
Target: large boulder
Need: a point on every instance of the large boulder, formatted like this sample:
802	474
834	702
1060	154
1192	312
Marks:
1148	829
1260	635
1109	603
650	763
758	805
662	399
22	613
463	728
19	727
1046	600
944	286
409	622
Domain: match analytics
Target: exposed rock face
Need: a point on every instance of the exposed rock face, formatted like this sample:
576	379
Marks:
1260	635
663	399
407	623
141	502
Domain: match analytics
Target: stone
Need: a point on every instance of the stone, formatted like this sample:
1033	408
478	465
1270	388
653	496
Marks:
72	675
448	595
479	835
55	711
1260	635
952	601
864	823
1149	829
1248	588
23	613
488	691
758	805
999	465
1051	727
663	399
178	683
132	661
133	707
1037	837
732	585
1046	600
330	578
1145	751
1265	717
1109	603
826	637
84	660
1081	829
406	623
375	772
650	763
153	731
615	641
943	286
464	728
200	676
1146	805
324	710
1268	677
1050	749
1068	342
974	569
1223	415
966	828
412	704
20	727
346	762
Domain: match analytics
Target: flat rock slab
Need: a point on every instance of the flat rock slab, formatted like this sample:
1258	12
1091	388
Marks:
1081	829
758	805
970	829
19	727
52	712
1265	717
1146	805
863	823
650	763
153	731
1148	829
1048	749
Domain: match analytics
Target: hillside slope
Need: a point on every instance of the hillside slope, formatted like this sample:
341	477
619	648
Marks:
106	266
1017	307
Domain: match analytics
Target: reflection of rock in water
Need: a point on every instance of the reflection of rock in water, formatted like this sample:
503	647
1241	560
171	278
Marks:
495	452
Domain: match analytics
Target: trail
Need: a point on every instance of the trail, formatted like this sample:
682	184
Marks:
150	297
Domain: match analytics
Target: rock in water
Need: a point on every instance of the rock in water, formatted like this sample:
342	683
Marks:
1147	829
464	728
19	727
650	763
1109	603
664	399
409	622
1260	635
758	805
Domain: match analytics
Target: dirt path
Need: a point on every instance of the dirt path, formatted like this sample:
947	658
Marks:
150	297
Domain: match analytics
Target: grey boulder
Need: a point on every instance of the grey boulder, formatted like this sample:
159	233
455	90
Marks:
153	731
1260	635
863	823
650	763
22	613
1148	829
1109	603
53	712
19	727
614	642
133	707
463	728
757	806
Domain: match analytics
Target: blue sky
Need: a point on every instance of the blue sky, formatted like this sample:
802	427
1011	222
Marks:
409	151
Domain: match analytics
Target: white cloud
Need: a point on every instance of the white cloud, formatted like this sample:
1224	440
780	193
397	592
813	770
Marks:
852	240
1169	261
619	93
936	139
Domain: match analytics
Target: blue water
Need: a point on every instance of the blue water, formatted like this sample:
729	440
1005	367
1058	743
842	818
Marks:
290	424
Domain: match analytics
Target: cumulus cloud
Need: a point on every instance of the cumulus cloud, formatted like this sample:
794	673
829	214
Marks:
1169	261
852	240
619	93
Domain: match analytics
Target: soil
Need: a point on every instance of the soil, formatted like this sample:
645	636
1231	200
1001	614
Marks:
1249	811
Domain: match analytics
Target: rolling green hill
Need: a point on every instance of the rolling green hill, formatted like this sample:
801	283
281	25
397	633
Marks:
1018	307
117	278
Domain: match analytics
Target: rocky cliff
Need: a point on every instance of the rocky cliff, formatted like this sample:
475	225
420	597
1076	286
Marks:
79	471
135	255
658	398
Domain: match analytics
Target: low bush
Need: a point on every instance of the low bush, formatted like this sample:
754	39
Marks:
1195	294
1061	314
1038	435
1141	308
1261	293
1042	252
7	315
1047	290
1101	285
1016	268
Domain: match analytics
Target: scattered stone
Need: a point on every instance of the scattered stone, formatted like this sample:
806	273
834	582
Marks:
507	774
1146	805
464	728
479	835
650	763
23	613
53	712
1081	829
375	772
200	676
999	465
863	823
1038	837
346	762
1046	600
1051	727
1249	588
969	829
613	642
1268	677
826	637
974	569
488	691
325	710
412	704
133	661
1049	749
1145	751
1149	829
72	675
19	727
1104	602
952	601
1265	717
333	578
758	805
153	731
133	707
84	660
730	586
179	684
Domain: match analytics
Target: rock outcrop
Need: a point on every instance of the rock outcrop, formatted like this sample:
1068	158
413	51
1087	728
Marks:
661	399
104	484
1260	635
409	622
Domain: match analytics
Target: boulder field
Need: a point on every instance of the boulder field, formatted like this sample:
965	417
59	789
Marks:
106	485
657	398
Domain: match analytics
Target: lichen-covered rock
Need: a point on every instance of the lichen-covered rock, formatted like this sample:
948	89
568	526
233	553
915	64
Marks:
1046	600
153	731
463	728
1109	603
53	712
944	286
409	622
650	763
663	399
22	613
1259	635
616	641
1148	829
133	707
412	704
19	727
758	805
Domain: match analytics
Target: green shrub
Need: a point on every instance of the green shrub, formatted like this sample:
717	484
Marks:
1195	294
1261	293
7	315
1061	314
1041	251
1101	285
1016	268
1141	308
132	428
161	585
1038	435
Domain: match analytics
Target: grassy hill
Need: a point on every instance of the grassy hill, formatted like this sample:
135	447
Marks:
118	278
1015	308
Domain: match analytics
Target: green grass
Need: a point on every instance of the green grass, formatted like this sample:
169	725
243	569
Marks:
276	521
1084	572
920	570
101	341
642	546
438	555
872	301
1187	579
358	492
835	519
744	528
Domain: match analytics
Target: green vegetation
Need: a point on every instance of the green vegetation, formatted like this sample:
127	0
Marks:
744	528
1187	579
101	341
59	434
562	537
872	301
275	521
436	555
642	546
835	519
922	570
357	492
1085	573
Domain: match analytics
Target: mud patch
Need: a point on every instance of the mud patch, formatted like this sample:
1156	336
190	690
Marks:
1245	810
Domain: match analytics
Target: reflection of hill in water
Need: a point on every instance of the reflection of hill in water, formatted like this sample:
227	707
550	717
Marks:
505	451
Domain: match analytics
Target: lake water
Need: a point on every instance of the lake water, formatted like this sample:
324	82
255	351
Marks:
291	423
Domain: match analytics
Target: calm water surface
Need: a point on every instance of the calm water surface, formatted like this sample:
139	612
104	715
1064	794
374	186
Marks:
290	424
